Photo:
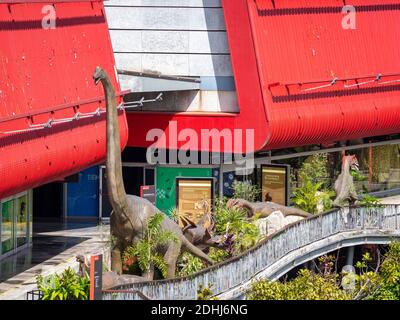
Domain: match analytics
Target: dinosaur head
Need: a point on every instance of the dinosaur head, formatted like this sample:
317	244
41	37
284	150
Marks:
234	203
352	162
98	75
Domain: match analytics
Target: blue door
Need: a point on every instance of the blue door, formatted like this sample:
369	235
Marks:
83	197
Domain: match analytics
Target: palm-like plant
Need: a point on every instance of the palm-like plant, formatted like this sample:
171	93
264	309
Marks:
145	250
234	221
309	197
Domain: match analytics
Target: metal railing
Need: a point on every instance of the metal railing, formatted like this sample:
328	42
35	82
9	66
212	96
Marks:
232	273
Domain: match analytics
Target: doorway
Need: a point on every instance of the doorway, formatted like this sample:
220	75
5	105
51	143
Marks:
134	177
48	202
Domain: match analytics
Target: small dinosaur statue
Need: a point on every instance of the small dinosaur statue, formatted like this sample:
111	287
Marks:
130	214
201	234
264	209
344	185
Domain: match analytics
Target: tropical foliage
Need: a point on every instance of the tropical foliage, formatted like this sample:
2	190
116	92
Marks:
188	264
67	286
234	221
306	286
310	198
205	293
145	250
369	201
383	283
315	169
245	190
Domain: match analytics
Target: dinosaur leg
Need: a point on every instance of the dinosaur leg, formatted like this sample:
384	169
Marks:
149	274
116	261
170	258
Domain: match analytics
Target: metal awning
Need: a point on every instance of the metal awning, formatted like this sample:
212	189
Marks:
156	82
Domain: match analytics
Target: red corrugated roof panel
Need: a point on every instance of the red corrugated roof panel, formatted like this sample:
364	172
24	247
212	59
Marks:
301	47
47	74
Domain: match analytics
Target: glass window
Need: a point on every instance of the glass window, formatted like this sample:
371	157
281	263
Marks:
22	215
7	226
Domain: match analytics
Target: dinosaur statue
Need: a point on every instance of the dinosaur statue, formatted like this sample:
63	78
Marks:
344	185
130	214
264	209
201	234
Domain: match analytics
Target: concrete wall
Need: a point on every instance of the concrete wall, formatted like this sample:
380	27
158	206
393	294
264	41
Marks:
175	37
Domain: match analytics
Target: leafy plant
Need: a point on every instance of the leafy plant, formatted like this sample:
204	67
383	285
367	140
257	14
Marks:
389	285
370	201
218	255
306	286
67	286
205	293
145	250
309	197
315	169
188	264
234	221
357	176
245	190
173	213
383	283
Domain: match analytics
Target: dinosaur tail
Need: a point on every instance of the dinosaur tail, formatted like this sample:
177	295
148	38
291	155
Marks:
186	245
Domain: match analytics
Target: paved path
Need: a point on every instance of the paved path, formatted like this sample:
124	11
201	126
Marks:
52	252
391	200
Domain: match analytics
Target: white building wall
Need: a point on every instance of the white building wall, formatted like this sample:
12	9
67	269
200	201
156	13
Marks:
175	37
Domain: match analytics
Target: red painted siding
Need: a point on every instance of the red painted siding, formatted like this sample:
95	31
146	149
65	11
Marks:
48	74
301	45
281	54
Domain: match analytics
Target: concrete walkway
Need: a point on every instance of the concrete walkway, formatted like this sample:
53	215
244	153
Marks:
52	252
391	200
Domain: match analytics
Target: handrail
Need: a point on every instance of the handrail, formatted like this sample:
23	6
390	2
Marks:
231	273
63	106
378	78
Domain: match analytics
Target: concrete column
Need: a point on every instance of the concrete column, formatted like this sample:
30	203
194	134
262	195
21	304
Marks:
350	256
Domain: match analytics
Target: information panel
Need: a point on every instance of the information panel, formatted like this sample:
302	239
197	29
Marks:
193	197
149	193
274	183
96	274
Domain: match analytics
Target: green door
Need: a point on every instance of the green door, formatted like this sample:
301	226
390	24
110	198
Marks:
166	184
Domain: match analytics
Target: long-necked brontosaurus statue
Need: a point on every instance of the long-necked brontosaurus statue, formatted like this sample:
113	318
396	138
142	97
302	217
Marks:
344	185
130	213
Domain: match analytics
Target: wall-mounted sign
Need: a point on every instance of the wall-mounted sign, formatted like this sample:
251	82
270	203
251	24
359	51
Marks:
149	193
194	196
275	183
96	274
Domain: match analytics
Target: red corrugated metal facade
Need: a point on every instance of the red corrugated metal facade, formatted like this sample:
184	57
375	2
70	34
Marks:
47	74
285	55
302	46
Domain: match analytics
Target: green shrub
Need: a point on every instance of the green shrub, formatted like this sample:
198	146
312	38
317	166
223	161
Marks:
205	293
389	287
315	169
306	286
370	201
188	264
309	195
234	221
67	286
145	250
245	190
